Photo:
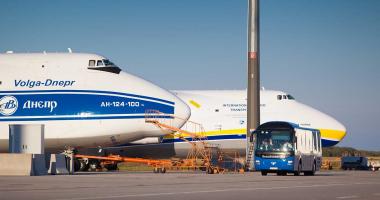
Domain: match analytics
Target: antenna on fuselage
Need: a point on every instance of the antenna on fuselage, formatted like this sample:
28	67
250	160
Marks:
69	49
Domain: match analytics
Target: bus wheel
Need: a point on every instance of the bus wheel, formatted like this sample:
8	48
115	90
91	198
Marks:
264	173
312	172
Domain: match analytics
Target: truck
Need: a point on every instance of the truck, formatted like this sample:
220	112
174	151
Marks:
359	163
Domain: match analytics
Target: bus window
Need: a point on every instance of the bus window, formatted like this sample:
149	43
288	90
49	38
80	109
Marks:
319	142
91	63
315	143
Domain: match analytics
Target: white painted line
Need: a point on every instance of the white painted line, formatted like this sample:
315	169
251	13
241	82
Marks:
212	191
347	197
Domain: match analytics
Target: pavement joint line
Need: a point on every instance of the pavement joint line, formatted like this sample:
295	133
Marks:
212	191
348	197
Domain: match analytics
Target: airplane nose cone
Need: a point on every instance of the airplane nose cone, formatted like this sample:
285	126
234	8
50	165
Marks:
182	112
332	131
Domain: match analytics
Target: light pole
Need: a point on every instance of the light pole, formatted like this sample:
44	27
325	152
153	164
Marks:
253	91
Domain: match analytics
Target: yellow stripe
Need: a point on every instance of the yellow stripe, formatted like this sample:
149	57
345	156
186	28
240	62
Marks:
336	135
218	132
195	104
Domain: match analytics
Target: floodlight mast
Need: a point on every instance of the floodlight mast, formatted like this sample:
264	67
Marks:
253	91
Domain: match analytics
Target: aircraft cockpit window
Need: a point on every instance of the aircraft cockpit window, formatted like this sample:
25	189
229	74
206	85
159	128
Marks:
108	63
104	65
91	63
279	97
290	97
284	96
99	63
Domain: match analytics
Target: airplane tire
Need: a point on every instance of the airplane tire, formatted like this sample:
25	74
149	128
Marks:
93	165
111	167
210	170
83	166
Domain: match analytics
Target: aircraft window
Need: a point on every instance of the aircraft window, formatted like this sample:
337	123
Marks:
284	96
105	65
91	63
279	97
108	63
99	63
290	97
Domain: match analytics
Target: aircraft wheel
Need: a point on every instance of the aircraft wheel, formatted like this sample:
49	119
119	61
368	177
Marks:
93	165
83	166
111	167
210	170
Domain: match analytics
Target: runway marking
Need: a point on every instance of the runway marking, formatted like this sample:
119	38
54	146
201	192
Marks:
215	191
347	197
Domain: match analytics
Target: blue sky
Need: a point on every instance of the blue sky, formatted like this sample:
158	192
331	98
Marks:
326	53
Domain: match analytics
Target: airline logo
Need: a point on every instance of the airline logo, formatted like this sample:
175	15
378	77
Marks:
73	105
8	105
46	83
49	105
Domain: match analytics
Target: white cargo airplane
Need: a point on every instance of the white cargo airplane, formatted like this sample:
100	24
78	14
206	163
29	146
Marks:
84	100
223	114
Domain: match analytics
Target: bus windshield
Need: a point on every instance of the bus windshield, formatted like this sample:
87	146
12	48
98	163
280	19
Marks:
274	141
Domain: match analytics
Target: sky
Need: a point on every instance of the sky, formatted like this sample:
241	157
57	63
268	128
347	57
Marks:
326	53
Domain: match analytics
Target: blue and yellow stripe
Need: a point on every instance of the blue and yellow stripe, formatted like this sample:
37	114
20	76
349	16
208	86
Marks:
329	137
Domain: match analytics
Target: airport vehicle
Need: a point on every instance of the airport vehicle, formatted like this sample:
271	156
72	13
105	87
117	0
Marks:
354	162
83	99
222	114
359	163
284	147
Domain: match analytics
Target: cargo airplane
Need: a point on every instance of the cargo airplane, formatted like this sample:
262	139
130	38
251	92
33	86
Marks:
84	100
223	115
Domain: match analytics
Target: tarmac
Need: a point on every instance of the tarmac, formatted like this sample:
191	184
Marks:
199	186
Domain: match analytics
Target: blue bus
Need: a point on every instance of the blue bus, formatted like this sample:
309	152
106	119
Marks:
283	147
